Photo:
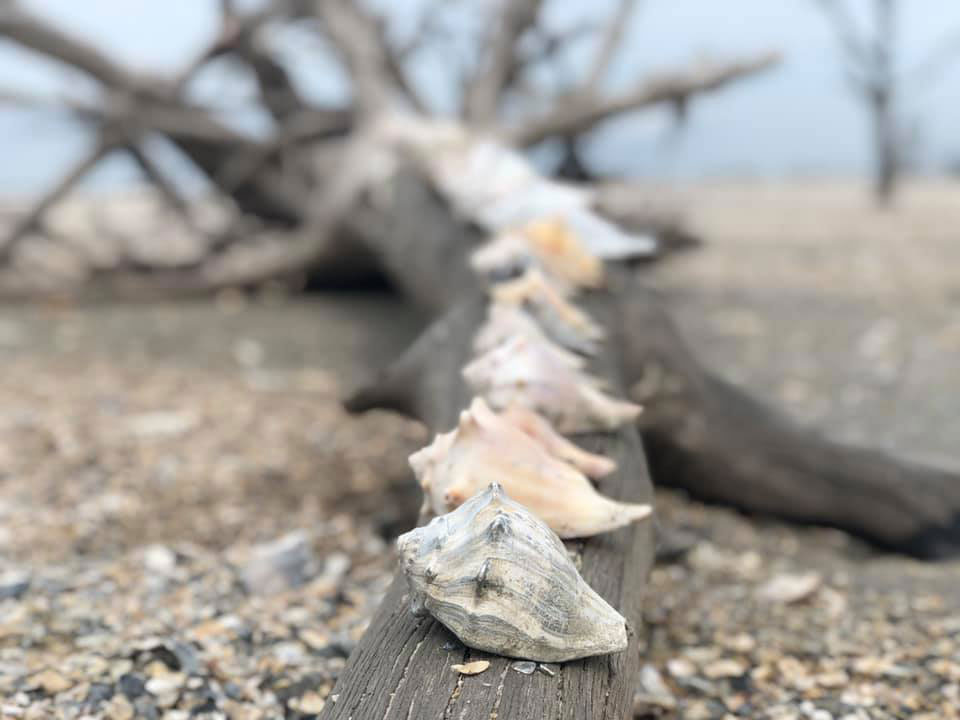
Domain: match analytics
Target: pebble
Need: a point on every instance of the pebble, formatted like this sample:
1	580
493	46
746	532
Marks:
725	668
49	681
681	668
132	686
280	565
311	704
471	668
13	584
790	588
525	667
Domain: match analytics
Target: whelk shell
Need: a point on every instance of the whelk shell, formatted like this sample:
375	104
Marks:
502	582
524	373
562	321
485	448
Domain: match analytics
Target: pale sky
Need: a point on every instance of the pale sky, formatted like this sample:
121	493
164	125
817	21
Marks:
798	119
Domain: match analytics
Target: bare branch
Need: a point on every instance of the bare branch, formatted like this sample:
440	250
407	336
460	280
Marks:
579	112
33	33
610	42
494	70
30	221
152	172
857	49
360	41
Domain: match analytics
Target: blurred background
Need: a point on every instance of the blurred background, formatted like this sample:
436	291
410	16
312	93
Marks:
189	521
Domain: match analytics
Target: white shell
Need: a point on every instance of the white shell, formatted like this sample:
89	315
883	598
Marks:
540	429
548	244
505	322
562	321
502	582
485	448
529	374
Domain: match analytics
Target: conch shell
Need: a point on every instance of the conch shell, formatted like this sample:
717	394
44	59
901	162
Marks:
485	448
562	321
560	251
505	322
525	373
540	429
549	244
502	582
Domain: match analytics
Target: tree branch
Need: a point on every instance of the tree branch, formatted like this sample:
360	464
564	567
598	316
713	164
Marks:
33	33
360	41
610	42
494	70
29	221
581	111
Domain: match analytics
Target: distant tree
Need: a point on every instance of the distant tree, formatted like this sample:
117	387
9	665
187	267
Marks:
873	75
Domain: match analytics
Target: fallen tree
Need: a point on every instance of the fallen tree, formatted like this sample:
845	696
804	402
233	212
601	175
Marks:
289	191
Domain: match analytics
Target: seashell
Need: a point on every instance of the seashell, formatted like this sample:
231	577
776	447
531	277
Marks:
502	256
560	251
485	448
563	322
524	373
505	322
540	429
502	582
548	244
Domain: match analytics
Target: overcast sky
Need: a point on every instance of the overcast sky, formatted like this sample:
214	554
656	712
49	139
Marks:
799	119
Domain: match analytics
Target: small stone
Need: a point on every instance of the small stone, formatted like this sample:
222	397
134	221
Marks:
119	708
741	643
653	692
681	668
165	684
311	703
547	670
471	668
698	710
145	708
132	686
525	667
13	584
835	679
162	424
280	565
788	589
724	668
98	693
49	682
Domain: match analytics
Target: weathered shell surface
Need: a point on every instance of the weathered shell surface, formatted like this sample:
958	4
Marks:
505	323
539	428
502	582
486	448
562	321
562	253
548	244
521	372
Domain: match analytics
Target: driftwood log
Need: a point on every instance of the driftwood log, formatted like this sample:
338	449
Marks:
701	433
401	668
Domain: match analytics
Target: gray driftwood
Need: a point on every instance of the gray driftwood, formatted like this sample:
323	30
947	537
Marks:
401	669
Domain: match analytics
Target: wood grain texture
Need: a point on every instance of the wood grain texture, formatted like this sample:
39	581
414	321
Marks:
401	668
